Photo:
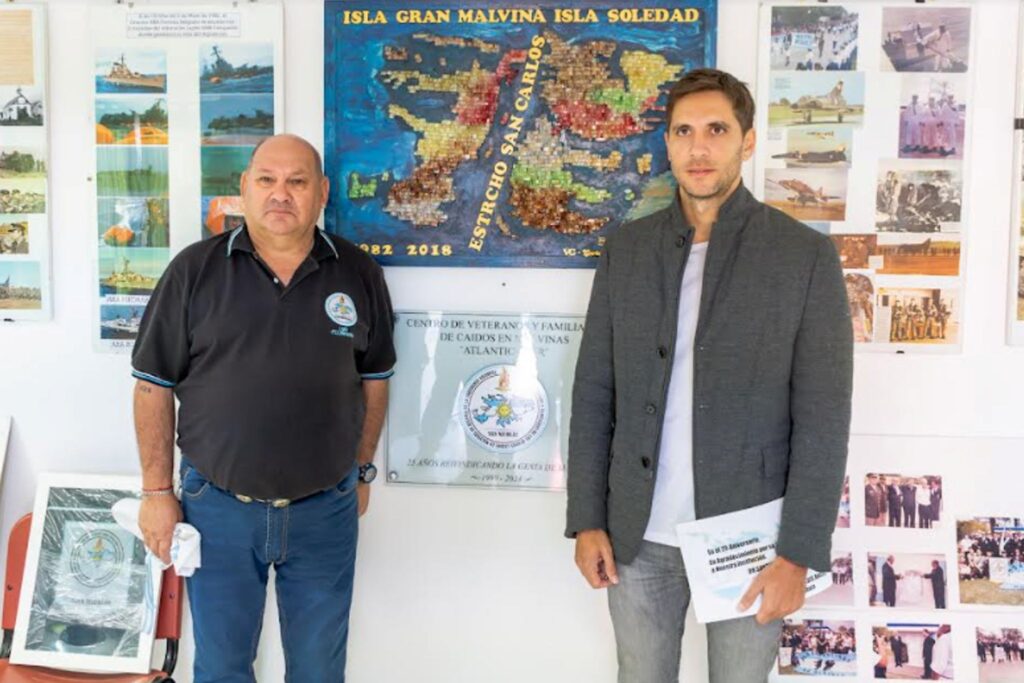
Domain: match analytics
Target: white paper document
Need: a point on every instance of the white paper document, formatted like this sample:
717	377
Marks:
723	555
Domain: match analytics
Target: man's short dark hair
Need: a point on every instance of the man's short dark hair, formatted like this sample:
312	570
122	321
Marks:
704	80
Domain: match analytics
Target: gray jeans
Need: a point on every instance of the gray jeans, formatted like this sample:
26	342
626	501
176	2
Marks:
648	608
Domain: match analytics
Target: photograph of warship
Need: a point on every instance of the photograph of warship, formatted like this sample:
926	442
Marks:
121	75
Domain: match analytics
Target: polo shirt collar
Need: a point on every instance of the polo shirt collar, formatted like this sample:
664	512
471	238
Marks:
323	247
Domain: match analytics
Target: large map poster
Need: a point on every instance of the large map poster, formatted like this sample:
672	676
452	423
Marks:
501	134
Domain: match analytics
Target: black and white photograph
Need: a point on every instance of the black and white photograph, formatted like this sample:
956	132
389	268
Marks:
918	200
21	106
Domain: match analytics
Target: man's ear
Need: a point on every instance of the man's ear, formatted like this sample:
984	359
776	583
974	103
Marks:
749	141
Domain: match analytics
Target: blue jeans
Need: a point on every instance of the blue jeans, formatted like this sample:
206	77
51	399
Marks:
648	608
312	545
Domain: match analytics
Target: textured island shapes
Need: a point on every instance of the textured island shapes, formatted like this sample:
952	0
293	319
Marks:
510	142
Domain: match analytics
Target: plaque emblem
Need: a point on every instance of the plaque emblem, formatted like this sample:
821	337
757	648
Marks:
97	558
503	408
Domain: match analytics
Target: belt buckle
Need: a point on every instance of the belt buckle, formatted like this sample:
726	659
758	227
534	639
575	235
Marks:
273	502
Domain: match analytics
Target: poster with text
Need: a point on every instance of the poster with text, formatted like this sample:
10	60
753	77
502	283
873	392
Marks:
182	96
482	400
497	134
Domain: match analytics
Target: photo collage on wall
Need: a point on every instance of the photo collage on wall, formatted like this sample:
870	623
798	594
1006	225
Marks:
221	91
132	184
24	221
891	201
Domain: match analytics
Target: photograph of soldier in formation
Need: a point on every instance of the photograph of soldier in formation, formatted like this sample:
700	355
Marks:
926	39
907	580
816	647
902	501
917	316
1000	655
932	117
918	201
912	651
813	39
990	560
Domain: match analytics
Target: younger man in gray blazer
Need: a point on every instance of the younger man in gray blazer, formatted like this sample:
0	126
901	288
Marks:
714	375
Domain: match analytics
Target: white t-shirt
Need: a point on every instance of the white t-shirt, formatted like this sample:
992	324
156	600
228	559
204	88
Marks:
673	488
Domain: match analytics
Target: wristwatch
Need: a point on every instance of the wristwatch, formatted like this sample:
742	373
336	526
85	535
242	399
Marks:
367	472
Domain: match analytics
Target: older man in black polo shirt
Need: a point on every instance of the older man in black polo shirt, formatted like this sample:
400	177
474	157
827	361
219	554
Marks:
276	340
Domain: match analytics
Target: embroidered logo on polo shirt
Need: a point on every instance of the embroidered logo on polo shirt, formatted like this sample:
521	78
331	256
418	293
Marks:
341	310
504	409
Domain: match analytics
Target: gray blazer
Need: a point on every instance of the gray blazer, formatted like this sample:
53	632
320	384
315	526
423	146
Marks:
773	365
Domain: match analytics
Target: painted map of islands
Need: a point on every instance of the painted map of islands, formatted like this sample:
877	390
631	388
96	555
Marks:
517	150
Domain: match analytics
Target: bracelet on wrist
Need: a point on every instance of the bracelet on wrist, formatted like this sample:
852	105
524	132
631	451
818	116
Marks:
149	493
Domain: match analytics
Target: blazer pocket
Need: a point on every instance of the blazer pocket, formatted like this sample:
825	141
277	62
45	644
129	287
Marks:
775	460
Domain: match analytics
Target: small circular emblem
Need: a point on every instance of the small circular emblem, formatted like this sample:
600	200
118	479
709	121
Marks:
97	558
341	309
503	408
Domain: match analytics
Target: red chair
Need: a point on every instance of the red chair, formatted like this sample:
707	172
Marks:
168	624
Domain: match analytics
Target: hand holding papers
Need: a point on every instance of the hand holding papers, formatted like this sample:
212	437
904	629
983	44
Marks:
723	555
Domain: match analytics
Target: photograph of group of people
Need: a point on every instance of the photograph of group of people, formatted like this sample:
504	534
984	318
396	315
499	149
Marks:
813	39
990	559
841	592
907	580
905	501
817	647
913	651
1000	655
933	114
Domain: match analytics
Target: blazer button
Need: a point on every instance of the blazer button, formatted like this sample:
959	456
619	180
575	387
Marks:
651	409
646	462
662	352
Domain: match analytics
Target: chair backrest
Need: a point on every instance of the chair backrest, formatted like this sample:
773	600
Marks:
168	624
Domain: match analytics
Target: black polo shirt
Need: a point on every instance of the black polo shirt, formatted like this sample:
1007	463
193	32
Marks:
269	378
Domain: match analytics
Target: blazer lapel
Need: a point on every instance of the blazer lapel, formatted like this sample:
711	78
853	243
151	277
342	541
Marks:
725	237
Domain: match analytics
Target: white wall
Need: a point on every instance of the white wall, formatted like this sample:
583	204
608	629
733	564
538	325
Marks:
462	585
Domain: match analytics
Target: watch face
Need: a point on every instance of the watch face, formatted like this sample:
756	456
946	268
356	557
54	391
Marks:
367	473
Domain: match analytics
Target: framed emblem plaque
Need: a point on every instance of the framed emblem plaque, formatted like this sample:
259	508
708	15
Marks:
90	593
482	400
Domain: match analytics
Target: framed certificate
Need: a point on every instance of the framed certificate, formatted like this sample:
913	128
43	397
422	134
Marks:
90	594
